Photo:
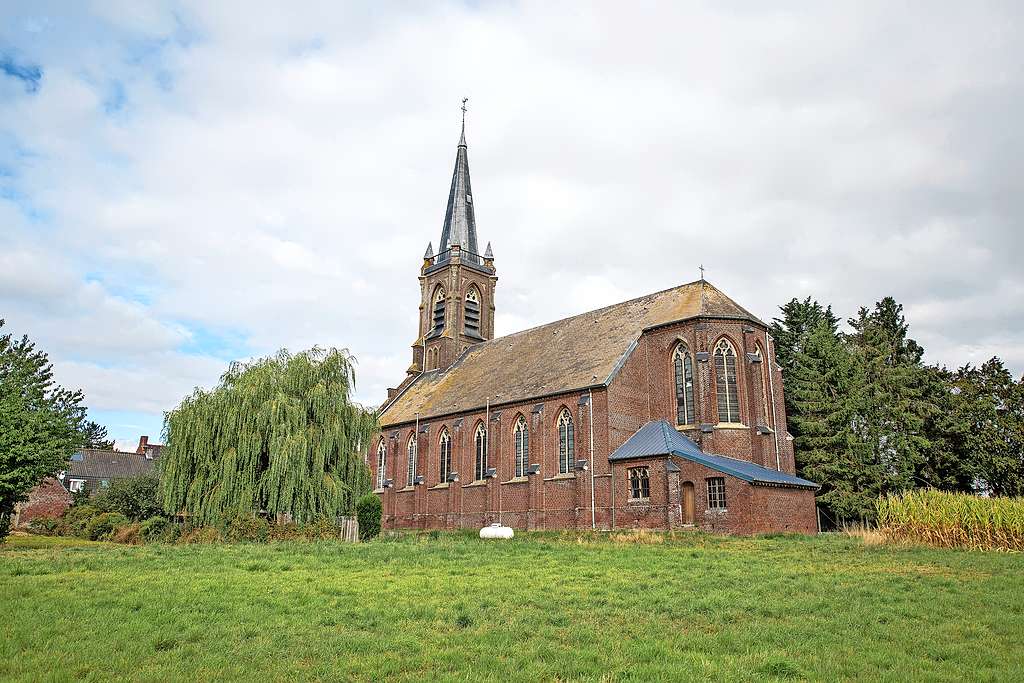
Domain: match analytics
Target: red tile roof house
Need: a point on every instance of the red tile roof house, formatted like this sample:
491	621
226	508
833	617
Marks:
661	412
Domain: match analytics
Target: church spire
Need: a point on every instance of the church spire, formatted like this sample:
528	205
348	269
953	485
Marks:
459	217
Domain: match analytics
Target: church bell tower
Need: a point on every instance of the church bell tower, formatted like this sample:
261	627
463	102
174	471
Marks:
457	283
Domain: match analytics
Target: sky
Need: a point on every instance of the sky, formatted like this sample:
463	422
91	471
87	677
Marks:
184	184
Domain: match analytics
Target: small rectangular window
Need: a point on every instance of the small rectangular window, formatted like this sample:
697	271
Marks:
639	483
716	493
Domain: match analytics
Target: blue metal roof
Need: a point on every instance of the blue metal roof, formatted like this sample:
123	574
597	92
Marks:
659	438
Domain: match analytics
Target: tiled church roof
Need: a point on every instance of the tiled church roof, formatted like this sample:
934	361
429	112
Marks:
574	353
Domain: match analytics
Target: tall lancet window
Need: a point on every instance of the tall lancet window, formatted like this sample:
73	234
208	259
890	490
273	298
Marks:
725	383
444	449
480	441
439	299
766	415
521	438
682	361
473	312
382	463
410	477
566	443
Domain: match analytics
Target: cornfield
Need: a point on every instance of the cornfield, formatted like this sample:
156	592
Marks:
953	520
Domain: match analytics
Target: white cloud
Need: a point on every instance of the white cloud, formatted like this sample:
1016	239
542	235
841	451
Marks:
276	179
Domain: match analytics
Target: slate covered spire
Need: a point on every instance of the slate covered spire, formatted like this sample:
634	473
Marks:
459	217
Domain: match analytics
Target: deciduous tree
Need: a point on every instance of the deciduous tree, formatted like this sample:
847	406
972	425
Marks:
280	435
40	423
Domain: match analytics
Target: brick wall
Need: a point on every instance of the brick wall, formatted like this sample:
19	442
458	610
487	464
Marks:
642	390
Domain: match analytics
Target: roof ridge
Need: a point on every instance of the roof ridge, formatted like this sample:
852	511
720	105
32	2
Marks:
580	315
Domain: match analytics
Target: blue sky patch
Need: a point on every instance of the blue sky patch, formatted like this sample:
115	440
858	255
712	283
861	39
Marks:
29	74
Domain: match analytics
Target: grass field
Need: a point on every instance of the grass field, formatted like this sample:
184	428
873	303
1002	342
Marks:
539	607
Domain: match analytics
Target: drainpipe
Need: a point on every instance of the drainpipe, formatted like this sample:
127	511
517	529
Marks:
771	384
593	512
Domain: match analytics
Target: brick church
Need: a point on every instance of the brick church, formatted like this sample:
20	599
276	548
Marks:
662	412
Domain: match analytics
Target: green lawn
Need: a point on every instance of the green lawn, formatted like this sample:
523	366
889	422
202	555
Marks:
539	607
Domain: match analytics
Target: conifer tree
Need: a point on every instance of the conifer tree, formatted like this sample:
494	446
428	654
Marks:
279	435
799	319
825	387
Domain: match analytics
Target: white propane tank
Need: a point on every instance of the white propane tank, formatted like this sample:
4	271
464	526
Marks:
496	531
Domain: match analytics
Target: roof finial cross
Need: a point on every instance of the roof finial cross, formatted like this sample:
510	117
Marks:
702	272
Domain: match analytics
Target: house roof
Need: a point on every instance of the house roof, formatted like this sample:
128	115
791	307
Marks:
659	438
94	463
574	353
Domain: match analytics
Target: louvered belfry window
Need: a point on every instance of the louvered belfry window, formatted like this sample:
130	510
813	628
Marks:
725	383
521	437
438	312
473	313
566	443
683	364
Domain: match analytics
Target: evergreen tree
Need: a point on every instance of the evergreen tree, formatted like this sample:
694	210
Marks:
947	462
799	319
94	435
40	423
280	435
986	426
825	386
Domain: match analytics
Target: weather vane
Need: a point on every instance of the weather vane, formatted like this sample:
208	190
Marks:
464	100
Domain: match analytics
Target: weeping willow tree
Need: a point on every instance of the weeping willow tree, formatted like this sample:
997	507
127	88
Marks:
280	434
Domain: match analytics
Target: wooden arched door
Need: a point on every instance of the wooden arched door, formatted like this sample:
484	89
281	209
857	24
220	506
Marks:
688	502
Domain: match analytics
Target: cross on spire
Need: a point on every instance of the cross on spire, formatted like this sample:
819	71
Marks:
702	272
462	140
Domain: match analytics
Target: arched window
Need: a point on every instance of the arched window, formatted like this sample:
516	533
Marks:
444	448
473	312
521	438
683	363
382	463
439	298
566	443
410	477
480	441
725	383
765	403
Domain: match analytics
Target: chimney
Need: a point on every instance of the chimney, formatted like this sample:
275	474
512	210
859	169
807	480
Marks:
143	442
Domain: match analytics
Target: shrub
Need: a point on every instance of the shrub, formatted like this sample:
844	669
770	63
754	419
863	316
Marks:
134	497
102	526
368	512
202	534
153	528
80	497
170	534
77	519
321	529
953	520
287	532
45	526
129	534
247	527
